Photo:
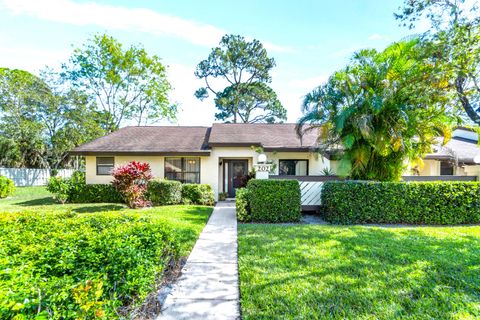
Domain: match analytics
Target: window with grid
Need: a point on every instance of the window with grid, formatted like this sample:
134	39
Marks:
185	170
105	165
293	167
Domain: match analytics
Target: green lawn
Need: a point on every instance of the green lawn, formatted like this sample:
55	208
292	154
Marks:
359	272
188	221
39	199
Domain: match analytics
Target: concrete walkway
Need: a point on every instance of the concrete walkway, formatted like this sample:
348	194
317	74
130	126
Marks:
208	286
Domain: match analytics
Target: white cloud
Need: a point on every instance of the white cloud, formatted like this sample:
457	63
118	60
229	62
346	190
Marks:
308	83
117	17
191	110
378	37
31	59
276	48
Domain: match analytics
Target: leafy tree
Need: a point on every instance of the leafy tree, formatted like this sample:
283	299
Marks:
455	42
126	84
382	109
255	102
67	118
245	68
42	119
21	132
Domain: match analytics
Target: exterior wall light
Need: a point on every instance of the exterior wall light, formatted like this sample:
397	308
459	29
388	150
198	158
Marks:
262	158
476	159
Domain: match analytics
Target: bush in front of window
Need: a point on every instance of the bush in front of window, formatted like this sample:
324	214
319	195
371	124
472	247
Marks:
76	190
7	187
242	205
198	194
439	202
163	192
274	200
131	181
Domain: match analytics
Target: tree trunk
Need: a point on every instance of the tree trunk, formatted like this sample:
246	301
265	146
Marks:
472	114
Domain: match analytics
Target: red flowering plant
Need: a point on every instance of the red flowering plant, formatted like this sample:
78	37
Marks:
131	181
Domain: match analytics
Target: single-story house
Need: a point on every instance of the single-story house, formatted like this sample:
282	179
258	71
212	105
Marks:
460	156
221	155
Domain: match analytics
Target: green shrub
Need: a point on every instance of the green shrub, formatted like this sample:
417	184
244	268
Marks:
59	187
94	193
274	200
348	202
222	196
7	187
242	205
164	192
197	194
76	190
71	266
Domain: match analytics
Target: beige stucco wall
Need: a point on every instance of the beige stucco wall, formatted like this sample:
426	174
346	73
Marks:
211	171
430	168
156	165
470	171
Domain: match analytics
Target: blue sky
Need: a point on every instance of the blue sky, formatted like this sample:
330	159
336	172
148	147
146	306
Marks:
308	39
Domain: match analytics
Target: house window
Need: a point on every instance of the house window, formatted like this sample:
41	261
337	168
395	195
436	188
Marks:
105	165
185	170
446	168
293	167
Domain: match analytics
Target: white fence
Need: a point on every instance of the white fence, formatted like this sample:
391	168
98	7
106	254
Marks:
24	177
310	188
311	192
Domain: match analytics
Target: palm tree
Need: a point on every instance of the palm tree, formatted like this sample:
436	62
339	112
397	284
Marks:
378	112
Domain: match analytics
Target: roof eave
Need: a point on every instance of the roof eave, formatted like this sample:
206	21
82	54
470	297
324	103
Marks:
234	144
138	153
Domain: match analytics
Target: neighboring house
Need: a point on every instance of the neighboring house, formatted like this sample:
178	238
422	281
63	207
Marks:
223	154
459	157
220	155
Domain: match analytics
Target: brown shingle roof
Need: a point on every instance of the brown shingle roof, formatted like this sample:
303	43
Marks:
269	136
150	140
198	140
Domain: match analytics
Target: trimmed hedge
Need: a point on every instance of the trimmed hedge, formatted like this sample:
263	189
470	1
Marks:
76	266
274	200
76	190
7	187
198	194
442	203
160	192
164	192
242	205
94	193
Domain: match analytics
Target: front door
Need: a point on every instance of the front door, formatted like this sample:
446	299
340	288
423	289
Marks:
237	171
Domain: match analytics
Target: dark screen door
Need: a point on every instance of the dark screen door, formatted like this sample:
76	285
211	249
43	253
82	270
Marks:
237	170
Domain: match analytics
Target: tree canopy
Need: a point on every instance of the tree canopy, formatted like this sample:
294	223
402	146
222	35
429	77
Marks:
244	67
454	41
41	120
102	87
382	109
126	84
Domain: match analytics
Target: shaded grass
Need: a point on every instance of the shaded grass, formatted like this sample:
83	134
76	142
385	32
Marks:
34	199
187	220
337	272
